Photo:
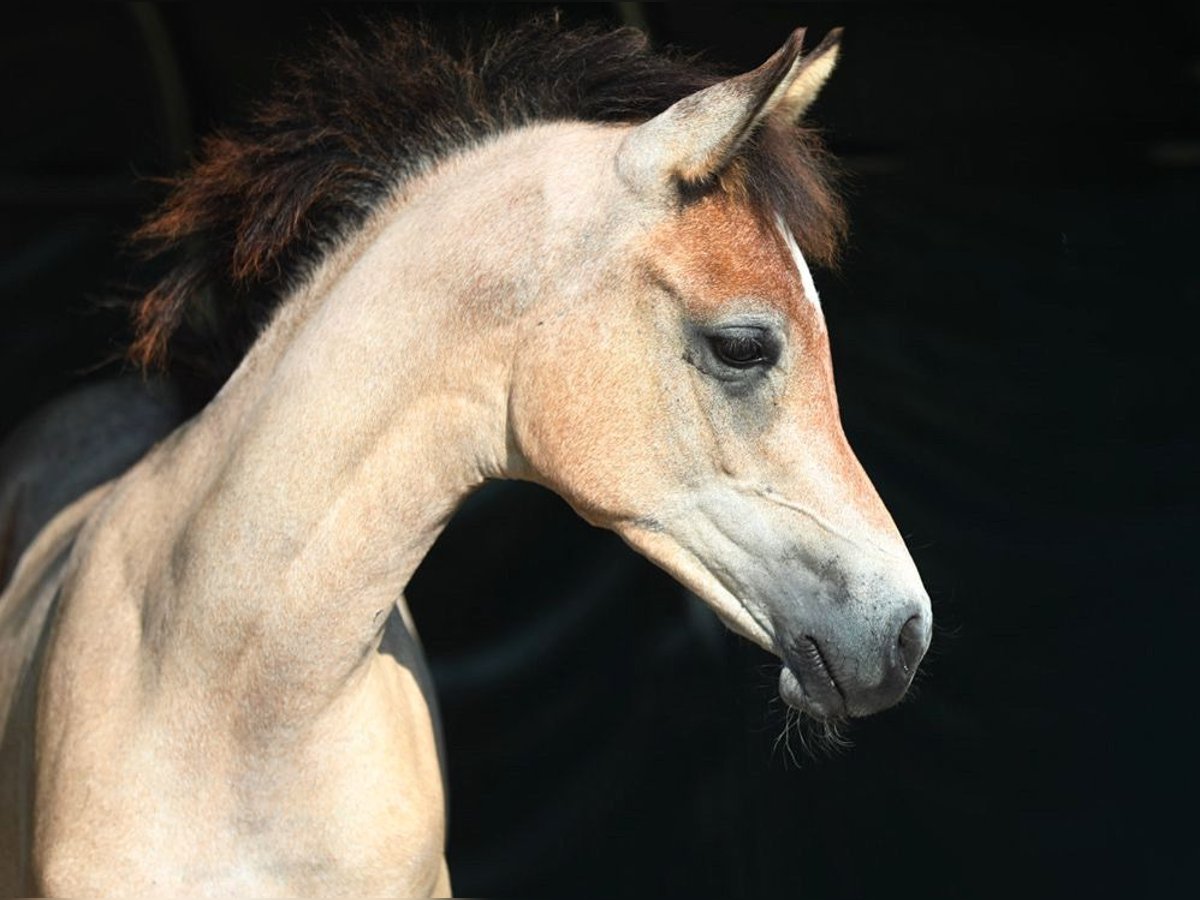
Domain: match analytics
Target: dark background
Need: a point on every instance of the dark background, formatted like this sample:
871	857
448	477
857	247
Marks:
1012	334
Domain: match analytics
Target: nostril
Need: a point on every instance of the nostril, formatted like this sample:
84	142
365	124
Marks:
912	643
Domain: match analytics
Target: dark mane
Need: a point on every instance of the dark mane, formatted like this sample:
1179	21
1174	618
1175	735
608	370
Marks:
263	204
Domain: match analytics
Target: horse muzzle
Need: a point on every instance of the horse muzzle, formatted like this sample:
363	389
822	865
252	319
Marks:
832	676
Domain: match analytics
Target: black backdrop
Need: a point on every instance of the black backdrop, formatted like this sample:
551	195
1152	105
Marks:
1013	343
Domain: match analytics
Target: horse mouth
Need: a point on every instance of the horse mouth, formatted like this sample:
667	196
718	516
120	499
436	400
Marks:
807	682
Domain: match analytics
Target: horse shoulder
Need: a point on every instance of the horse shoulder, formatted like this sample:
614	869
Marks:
26	612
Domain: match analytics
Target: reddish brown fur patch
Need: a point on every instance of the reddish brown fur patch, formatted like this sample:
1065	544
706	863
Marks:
718	251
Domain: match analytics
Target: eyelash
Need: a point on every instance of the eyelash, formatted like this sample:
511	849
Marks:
740	351
744	348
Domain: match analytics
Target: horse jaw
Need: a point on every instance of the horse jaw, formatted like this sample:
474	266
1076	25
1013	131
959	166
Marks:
661	548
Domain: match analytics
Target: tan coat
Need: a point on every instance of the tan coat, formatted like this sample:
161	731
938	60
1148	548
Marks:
208	684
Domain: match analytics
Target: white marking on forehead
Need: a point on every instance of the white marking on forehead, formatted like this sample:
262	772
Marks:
806	279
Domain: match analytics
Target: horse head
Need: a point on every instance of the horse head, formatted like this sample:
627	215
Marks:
676	387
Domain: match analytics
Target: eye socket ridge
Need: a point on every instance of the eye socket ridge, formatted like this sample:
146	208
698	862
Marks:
744	346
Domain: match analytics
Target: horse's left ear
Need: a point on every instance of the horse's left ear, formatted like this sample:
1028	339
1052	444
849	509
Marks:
695	138
811	73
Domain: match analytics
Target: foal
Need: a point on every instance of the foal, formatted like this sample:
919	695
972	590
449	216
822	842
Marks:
567	260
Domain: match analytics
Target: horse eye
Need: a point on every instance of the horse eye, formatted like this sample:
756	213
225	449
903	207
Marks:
741	351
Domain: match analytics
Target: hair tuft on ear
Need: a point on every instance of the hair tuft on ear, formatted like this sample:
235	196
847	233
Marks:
811	74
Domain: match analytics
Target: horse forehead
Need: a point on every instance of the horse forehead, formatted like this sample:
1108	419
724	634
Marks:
717	251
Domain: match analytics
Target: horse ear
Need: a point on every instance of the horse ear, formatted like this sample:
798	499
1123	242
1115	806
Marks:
696	137
810	76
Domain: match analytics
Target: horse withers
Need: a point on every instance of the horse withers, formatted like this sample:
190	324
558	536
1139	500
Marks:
565	259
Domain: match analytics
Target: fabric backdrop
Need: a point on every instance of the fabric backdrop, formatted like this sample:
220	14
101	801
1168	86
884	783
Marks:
1015	357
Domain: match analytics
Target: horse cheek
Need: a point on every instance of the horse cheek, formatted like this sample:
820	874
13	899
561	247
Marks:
586	430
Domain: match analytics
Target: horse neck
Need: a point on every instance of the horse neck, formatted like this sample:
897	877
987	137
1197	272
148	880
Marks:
312	487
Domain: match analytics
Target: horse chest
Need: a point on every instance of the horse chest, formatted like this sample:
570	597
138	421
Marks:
140	787
356	805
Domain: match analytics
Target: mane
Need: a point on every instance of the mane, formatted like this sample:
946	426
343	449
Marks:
265	203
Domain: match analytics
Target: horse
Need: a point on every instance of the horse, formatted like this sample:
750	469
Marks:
559	257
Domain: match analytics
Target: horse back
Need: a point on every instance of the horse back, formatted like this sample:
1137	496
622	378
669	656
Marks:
84	438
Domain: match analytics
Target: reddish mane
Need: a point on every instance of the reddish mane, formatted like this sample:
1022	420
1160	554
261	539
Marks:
263	204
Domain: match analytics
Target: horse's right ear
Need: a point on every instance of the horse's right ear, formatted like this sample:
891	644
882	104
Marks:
695	138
